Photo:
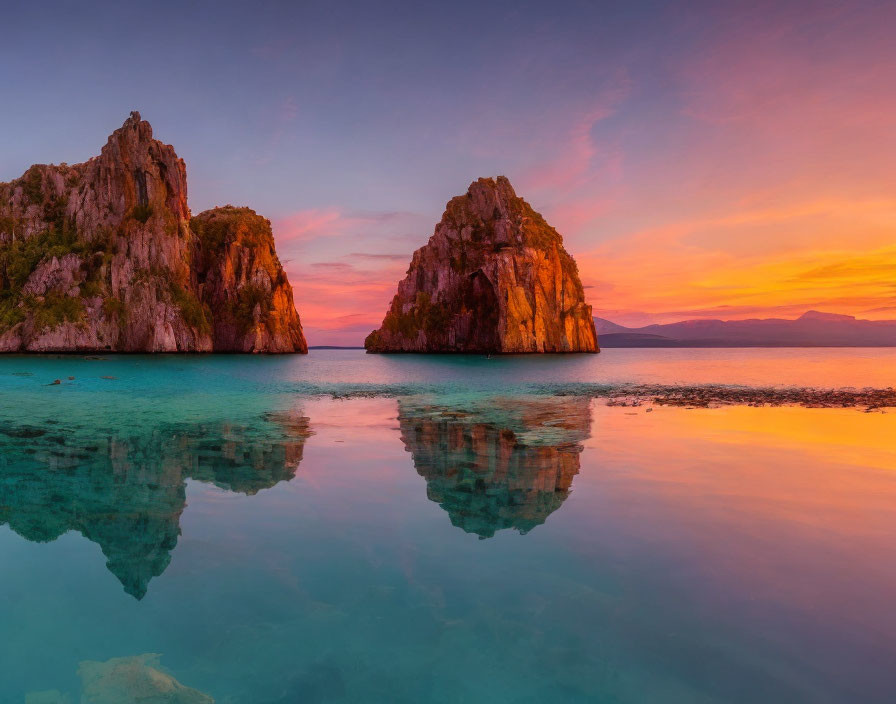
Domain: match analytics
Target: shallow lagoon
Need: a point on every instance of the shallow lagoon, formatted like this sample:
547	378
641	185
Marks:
446	529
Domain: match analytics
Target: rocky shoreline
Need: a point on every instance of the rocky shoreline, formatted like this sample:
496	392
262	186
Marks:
712	396
640	395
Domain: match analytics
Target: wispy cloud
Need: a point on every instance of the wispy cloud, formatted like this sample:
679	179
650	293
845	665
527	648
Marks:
305	224
382	257
336	222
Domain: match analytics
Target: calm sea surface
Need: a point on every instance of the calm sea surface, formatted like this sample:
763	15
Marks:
351	528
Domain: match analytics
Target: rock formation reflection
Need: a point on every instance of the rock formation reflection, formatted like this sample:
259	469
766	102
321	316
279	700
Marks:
125	489
495	463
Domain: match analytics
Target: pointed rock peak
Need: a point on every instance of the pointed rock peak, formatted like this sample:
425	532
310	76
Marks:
500	186
487	199
494	277
134	129
504	182
492	213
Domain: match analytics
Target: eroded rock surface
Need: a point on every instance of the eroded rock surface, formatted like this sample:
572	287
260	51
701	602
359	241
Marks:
493	278
101	256
243	282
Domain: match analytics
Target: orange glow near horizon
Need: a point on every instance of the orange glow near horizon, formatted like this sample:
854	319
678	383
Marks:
675	273
734	249
748	176
757	264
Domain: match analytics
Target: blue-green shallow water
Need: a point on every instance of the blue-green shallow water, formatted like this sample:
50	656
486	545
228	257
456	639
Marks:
461	535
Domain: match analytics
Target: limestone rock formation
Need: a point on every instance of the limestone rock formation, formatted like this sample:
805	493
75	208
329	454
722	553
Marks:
497	463
243	283
103	256
493	278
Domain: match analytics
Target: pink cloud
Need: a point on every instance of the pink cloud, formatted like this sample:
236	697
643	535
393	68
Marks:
336	222
573	153
308	223
576	179
572	160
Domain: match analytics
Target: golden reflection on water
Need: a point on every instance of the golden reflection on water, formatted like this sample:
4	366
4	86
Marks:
837	458
790	508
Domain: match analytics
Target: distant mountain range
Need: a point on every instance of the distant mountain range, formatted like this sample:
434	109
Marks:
811	329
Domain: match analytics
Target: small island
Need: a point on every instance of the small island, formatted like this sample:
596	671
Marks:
493	279
104	256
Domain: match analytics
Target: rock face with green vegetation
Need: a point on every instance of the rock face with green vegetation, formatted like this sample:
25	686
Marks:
494	278
241	280
104	256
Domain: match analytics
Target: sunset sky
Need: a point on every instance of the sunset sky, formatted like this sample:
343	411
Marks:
715	159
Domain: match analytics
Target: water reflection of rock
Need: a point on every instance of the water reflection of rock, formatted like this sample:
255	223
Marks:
126	490
499	462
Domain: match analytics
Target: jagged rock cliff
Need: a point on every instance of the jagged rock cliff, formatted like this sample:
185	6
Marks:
495	278
243	283
103	256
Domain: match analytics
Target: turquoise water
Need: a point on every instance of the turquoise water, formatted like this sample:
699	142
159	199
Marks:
351	528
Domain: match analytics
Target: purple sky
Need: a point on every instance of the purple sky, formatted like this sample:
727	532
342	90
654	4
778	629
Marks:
686	151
